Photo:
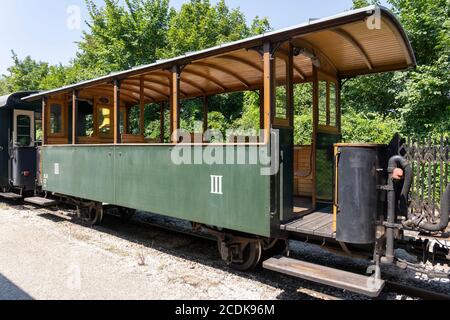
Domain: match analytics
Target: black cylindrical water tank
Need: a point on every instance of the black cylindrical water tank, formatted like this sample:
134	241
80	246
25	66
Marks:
357	194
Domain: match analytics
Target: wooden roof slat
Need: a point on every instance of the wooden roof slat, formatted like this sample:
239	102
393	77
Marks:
284	54
222	69
317	51
148	87
99	91
192	84
342	63
158	82
205	76
250	64
348	37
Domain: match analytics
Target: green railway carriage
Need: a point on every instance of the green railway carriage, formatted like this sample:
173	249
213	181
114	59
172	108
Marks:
228	188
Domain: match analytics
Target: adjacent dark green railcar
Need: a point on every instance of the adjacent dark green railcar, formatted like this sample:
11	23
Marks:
18	123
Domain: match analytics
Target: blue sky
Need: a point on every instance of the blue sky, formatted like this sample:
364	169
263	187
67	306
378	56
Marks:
39	27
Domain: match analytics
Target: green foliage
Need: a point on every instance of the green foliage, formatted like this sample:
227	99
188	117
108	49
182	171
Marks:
250	119
428	27
199	25
364	3
368	127
26	74
3	86
418	100
123	36
425	99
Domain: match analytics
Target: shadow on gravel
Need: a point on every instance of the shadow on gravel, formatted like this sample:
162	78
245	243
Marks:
163	238
9	291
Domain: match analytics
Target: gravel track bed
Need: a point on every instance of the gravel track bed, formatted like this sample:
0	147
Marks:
133	260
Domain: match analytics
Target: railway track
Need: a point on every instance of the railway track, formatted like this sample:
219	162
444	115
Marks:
414	292
391	286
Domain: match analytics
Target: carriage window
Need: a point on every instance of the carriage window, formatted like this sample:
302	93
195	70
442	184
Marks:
134	117
323	115
85	119
104	120
38	126
123	122
333	104
281	89
55	118
23	130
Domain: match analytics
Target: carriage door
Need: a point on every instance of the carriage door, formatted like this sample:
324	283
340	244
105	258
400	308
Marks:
327	133
23	157
23	128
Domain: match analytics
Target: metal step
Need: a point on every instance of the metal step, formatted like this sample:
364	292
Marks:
42	202
328	276
10	195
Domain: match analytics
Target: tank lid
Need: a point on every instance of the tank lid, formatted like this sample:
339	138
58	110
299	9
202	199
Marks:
360	145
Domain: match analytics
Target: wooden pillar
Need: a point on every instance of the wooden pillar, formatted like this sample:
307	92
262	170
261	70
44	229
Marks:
315	130
175	101
338	107
269	90
261	108
74	116
290	86
141	108
205	113
44	121
162	122
117	138
328	104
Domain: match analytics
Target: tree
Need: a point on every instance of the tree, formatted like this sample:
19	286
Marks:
26	74
3	87
418	99
199	25
122	37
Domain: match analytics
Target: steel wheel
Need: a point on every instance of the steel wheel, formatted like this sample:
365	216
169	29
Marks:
251	256
93	215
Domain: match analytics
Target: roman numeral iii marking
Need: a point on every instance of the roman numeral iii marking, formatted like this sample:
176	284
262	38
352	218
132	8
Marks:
216	184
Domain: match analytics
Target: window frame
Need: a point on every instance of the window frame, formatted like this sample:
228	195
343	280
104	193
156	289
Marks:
31	116
328	126
63	104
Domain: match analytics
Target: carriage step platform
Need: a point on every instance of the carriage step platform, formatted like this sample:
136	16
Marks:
319	223
10	195
327	276
42	202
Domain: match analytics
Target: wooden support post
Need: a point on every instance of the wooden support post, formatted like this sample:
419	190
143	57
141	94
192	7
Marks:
162	122
290	86
261	109
117	137
205	113
328	105
74	116
44	121
175	101
338	106
315	131
269	90
141	108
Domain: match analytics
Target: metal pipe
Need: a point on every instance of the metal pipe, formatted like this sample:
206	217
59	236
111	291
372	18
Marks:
394	163
445	213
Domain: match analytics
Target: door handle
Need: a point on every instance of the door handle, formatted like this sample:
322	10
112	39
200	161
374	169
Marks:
1	148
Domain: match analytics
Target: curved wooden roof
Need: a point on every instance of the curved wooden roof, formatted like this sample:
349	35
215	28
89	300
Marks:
345	45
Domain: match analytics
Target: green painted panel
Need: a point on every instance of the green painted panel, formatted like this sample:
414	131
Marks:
83	172
145	178
148	180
